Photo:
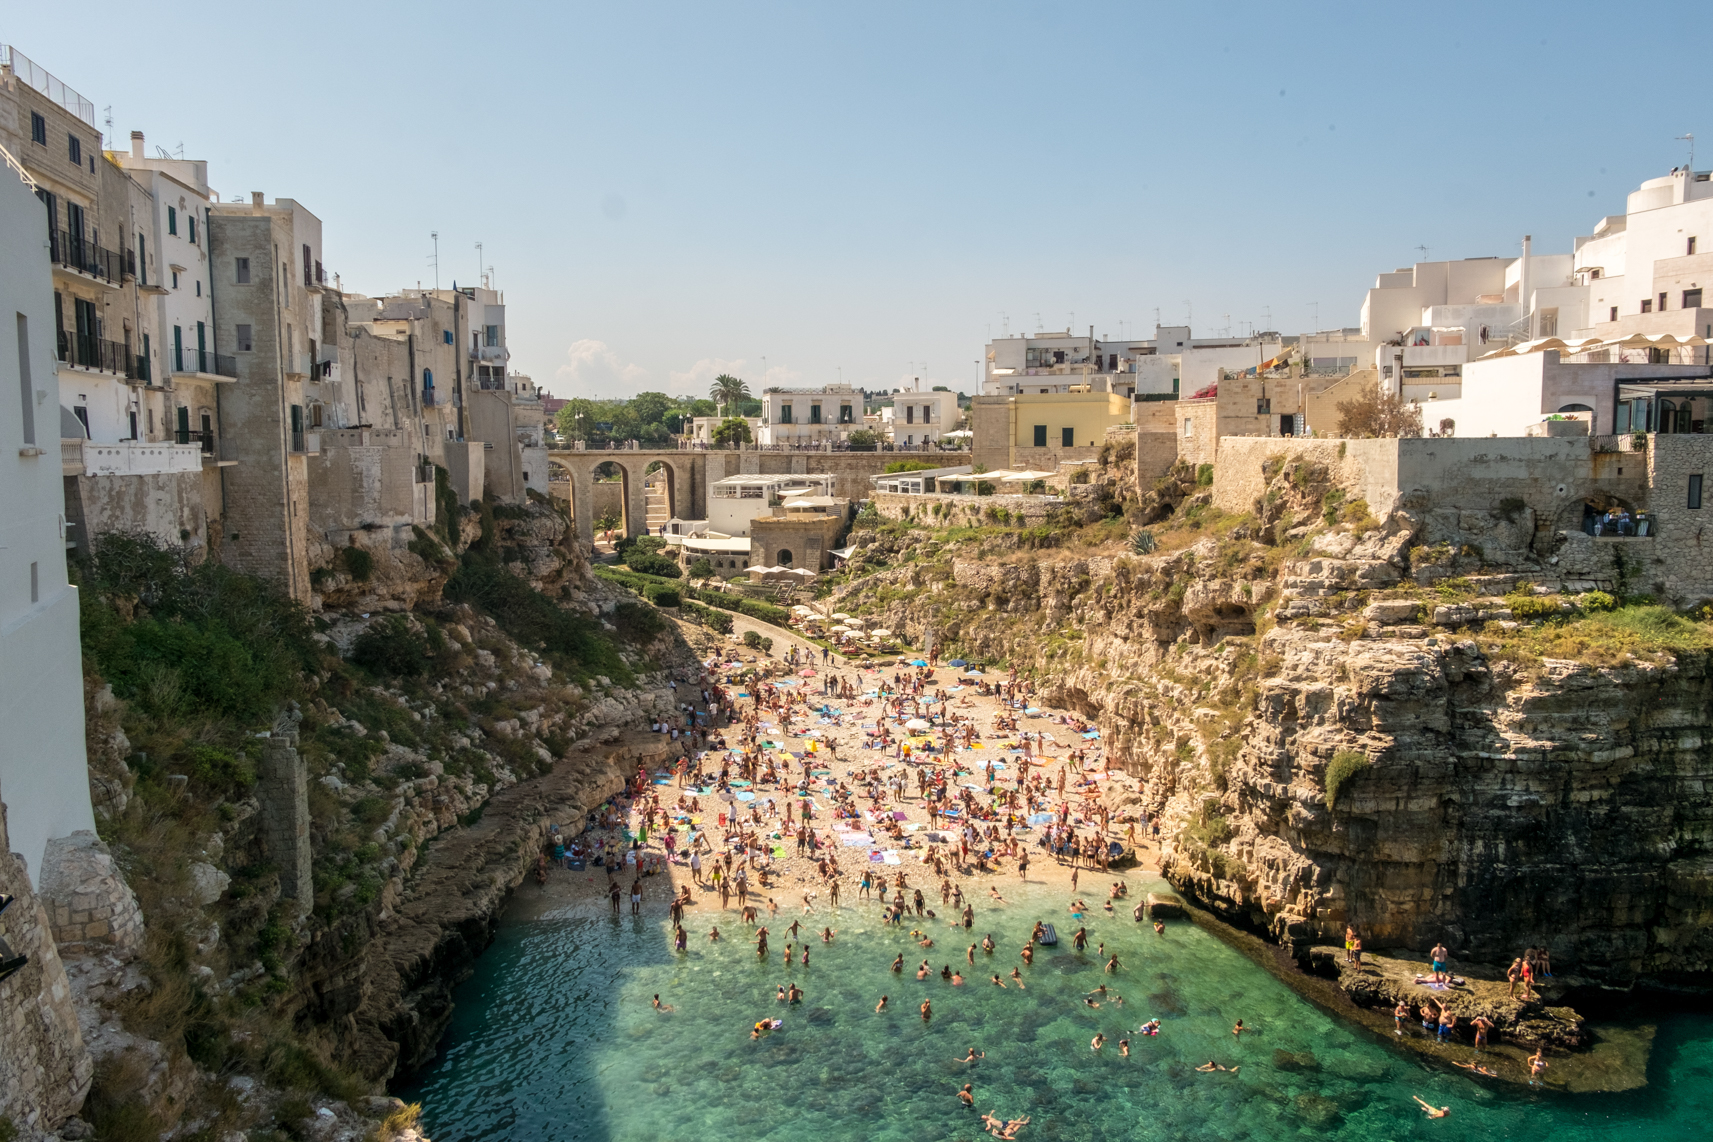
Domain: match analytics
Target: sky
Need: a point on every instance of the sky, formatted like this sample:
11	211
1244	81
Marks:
803	194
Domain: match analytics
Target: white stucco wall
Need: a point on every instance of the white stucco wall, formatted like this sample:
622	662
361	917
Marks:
44	778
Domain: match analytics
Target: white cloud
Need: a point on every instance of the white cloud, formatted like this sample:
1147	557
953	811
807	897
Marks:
593	370
699	378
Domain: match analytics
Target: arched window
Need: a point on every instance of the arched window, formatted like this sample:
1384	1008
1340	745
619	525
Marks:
785	557
1575	408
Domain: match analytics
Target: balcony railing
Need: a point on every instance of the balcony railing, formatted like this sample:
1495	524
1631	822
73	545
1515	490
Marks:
428	398
90	352
203	440
225	366
314	277
131	457
78	253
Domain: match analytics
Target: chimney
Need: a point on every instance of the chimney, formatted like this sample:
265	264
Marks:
257	200
136	144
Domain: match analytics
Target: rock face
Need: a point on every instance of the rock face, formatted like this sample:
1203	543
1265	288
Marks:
1487	798
44	1069
450	911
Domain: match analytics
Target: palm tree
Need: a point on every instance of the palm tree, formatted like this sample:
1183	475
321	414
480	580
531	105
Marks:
727	391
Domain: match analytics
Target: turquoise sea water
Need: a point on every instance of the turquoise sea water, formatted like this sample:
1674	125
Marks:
555	1038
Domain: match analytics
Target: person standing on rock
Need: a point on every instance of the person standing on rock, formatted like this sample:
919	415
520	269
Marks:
613	895
1439	956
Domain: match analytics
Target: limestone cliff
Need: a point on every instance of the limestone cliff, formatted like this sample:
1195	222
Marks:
1514	764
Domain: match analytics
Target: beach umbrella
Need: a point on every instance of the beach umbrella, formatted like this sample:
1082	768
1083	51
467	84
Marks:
959	662
917	724
840	629
806	673
918	662
800	609
881	633
840	615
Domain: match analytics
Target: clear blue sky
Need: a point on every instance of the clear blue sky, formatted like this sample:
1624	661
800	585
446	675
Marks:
667	190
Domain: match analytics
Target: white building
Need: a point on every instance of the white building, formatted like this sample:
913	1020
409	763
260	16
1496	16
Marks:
918	418
1171	361
737	500
801	417
702	428
44	776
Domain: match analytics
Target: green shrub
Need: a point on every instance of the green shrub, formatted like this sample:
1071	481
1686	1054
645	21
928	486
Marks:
391	646
1080	476
715	620
766	645
427	548
702	569
1593	601
1330	504
637	621
654	565
752	639
1204	475
909	466
664	596
1527	606
573	638
1142	543
1345	766
217	768
358	562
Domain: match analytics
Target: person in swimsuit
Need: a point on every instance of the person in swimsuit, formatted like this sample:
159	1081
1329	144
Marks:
967	1095
1429	1109
662	1007
1029	954
1439	956
1237	1031
957	979
1097	1042
1482	1025
1399	1014
1124	1047
971	1057
1537	1064
1478	1069
927	1010
881	1006
898	964
1017	977
1159	928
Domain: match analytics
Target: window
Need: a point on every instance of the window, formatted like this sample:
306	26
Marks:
74	148
1692	299
1695	491
815	413
1691	248
1189	427
1648	306
909	414
1662	303
785	413
845	414
142	261
26	390
38	128
35	582
178	349
1613	316
446	336
241	269
1263	406
1040	436
490	335
172	220
175	279
1067	437
246	342
191	221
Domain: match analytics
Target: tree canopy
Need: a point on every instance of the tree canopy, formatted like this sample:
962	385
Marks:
1374	413
651	418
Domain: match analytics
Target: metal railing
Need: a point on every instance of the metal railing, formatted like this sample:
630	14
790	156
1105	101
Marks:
428	398
43	81
75	252
225	366
90	352
314	277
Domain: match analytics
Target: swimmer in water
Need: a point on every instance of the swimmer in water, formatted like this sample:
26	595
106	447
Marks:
987	943
967	1096
881	1006
1017	976
946	972
1087	1002
659	1006
925	942
1107	905
1159	928
793	929
1237	1031
957	979
1478	1069
1112	964
898	964
1209	1067
1029	953
927	1010
970	955
971	1057
826	935
1399	1014
781	996
1429	1109
997	982
994	892
794	994
922	972
713	934
1124	1047
1097	1042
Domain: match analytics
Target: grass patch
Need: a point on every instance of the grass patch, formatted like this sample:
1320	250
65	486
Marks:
1346	765
1605	637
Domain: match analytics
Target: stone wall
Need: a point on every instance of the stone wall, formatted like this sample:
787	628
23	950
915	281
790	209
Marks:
166	505
1365	469
1682	567
366	476
45	1069
87	899
808	540
282	790
958	510
852	469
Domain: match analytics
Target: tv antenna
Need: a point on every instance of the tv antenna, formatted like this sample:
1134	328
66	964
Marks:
108	110
1424	251
1687	137
435	234
480	276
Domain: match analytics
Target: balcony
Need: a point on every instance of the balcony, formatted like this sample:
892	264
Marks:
81	256
314	277
129	457
83	351
308	443
490	353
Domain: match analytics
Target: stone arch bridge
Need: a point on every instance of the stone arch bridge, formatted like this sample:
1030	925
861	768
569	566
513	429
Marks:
689	473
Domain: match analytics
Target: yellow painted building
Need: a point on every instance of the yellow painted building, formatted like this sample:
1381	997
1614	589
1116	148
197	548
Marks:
1043	430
